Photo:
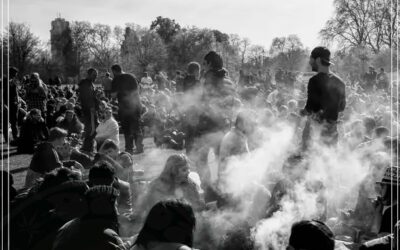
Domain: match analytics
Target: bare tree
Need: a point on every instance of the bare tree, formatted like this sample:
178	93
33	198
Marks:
359	23
22	45
102	46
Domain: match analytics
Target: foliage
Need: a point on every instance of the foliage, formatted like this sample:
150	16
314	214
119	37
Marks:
363	23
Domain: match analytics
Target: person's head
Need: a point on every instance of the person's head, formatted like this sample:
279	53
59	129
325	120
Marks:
57	136
193	69
381	132
292	105
92	74
369	124
107	74
13	72
116	69
320	58
371	69
311	235
35	79
69	115
382	70
69	106
125	159
245	121
107	112
212	61
145	74
102	173
176	169
35	114
170	221
109	148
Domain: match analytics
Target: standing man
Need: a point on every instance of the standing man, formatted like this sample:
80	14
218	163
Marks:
10	104
125	87
326	98
107	85
89	103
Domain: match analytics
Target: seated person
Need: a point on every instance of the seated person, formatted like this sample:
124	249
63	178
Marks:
157	229
173	182
98	228
108	153
67	152
33	131
107	129
36	215
45	158
71	123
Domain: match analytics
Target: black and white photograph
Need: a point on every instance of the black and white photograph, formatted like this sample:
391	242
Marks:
199	125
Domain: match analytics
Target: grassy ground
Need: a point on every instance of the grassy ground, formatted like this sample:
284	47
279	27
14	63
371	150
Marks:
152	161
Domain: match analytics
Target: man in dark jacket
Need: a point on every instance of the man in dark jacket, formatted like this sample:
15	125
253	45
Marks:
89	104
125	87
326	98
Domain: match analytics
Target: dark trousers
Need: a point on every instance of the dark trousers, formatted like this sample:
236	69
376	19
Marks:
10	116
88	141
328	133
130	124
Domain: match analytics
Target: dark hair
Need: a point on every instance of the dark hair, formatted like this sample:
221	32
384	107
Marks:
311	235
57	133
35	112
102	173
107	74
91	71
193	67
381	131
214	59
117	68
168	221
109	144
216	64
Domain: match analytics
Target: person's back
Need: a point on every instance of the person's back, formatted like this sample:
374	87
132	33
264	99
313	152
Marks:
87	234
327	96
126	86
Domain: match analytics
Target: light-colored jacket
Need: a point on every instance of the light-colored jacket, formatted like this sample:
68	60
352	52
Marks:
108	130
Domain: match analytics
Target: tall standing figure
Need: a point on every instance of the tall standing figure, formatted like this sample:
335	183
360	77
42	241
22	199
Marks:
89	105
326	98
125	87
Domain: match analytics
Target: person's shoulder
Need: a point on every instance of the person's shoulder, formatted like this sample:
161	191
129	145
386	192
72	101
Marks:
337	78
42	146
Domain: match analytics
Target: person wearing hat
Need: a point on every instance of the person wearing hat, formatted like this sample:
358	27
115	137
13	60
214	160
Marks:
386	207
311	235
326	98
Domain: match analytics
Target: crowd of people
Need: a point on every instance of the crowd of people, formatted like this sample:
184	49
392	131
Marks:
82	190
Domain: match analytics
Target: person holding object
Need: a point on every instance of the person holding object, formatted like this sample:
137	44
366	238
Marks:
326	98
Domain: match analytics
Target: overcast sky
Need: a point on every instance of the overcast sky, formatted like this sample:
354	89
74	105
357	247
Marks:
259	20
